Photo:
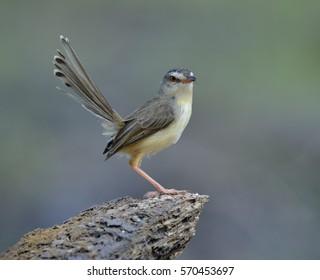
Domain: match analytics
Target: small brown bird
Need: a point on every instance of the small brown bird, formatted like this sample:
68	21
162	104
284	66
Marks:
156	125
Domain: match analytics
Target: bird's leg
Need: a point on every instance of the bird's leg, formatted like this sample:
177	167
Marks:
160	188
151	180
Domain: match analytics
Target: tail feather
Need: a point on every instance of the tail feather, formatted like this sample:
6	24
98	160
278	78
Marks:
70	70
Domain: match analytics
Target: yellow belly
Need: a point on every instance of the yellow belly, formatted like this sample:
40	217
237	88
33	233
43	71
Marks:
162	138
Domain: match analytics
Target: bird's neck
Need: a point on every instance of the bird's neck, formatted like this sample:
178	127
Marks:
184	97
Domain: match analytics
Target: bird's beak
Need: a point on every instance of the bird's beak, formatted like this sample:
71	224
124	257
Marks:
189	79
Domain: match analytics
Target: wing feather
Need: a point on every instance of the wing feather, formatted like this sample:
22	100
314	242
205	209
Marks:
154	115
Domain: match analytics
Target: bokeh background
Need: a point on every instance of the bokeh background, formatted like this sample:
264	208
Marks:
253	143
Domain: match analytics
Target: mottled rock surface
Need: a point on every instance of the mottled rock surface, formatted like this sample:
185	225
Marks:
125	228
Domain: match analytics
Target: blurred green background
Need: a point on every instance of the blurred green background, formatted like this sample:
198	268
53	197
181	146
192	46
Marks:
253	142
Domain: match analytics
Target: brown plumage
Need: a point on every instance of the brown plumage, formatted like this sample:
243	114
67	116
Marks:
157	124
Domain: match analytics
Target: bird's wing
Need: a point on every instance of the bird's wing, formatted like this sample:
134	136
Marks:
154	115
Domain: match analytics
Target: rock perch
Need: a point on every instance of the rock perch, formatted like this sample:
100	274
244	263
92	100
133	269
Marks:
125	228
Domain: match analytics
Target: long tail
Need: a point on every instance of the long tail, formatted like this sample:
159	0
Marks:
70	70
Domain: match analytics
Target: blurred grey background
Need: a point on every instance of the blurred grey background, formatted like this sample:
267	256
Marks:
253	142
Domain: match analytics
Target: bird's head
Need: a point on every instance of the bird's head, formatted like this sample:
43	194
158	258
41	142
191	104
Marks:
177	81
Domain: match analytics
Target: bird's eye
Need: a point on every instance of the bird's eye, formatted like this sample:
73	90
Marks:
173	79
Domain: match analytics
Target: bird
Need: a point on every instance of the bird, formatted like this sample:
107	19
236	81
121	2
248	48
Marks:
154	126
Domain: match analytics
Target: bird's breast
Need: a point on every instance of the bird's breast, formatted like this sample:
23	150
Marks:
167	136
182	116
171	134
